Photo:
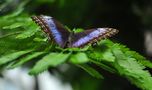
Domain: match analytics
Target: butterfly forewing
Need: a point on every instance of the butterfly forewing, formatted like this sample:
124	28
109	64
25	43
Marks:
54	28
90	36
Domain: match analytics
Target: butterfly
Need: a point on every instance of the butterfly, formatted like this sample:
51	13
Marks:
64	38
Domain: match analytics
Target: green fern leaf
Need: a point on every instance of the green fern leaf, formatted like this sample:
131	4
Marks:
104	66
91	71
79	58
28	32
50	60
101	54
15	25
9	57
128	52
135	55
26	59
78	30
18	10
132	70
139	58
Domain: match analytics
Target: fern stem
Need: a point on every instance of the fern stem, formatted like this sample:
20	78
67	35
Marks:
10	34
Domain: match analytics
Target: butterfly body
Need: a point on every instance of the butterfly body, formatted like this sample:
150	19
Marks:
64	38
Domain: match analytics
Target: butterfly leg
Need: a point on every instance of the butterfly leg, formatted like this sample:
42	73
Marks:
95	42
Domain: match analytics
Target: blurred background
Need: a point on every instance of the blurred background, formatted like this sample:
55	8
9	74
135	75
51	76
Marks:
133	18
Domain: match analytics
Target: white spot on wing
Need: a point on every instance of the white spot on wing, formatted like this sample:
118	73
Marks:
47	17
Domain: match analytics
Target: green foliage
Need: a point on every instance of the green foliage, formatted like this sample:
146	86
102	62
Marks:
84	83
131	69
26	59
16	25
21	42
104	66
9	57
50	60
91	71
79	58
102	53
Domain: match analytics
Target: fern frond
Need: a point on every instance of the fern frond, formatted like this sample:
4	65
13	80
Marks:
15	25
32	30
79	58
101	53
50	60
25	59
104	66
91	71
9	57
132	70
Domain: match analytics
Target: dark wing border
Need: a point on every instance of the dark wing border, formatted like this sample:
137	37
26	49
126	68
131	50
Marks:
47	25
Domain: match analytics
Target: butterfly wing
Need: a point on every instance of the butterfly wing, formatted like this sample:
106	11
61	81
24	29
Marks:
53	28
91	36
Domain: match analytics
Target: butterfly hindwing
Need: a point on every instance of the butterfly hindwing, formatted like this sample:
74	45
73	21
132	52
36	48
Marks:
53	28
91	36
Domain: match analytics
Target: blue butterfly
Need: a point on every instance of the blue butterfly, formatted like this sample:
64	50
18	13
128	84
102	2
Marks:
64	38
